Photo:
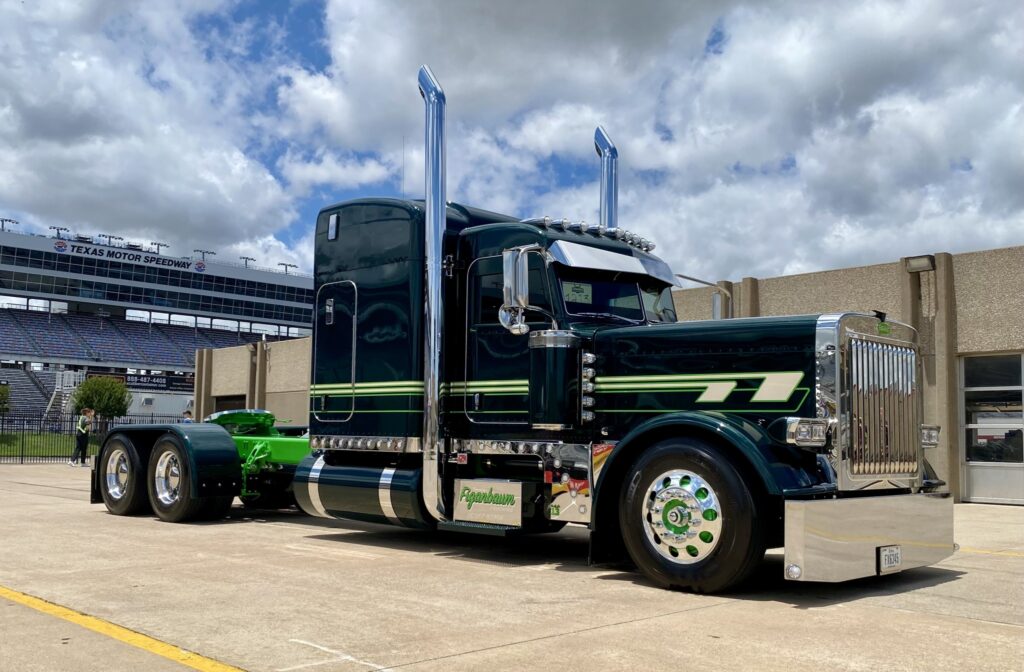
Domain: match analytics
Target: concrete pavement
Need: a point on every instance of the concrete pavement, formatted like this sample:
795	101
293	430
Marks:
281	591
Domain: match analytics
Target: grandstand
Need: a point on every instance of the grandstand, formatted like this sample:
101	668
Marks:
70	304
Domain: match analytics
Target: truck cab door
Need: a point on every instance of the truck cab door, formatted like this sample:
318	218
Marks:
334	352
495	389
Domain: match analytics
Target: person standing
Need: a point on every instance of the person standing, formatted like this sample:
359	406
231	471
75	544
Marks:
187	417
82	437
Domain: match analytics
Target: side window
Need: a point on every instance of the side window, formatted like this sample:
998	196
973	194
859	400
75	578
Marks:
485	292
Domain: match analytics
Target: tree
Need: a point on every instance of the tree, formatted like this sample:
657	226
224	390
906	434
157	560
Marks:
5	398
109	397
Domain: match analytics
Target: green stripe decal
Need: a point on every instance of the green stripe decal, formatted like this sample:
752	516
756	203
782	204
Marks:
801	398
774	386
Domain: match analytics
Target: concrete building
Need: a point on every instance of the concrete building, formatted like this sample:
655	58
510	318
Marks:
968	309
969	312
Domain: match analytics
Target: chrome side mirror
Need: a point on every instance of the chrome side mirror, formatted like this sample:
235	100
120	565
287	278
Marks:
515	289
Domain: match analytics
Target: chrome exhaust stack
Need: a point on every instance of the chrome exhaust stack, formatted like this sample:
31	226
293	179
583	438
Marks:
433	309
609	178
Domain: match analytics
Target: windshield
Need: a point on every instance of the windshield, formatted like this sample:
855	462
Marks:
619	296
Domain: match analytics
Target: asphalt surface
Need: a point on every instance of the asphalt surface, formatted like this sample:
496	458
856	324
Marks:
280	591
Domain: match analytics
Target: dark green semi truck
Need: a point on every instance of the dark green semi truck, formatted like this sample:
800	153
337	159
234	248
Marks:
479	373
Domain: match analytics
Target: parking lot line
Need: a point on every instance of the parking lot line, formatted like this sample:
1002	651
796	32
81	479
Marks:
121	634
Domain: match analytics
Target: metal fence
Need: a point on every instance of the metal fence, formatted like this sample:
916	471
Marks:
30	438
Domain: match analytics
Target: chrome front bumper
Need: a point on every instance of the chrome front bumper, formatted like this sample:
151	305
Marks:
835	540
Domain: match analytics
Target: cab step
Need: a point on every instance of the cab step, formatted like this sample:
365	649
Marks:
478	528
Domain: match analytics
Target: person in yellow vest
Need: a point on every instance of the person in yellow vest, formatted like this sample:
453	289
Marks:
82	437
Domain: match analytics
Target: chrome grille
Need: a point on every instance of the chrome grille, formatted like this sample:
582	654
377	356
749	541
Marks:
884	427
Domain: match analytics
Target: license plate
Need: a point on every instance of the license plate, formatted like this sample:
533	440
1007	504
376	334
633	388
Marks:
889	559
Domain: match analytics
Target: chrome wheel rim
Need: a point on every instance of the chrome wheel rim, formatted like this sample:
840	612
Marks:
167	478
118	471
682	517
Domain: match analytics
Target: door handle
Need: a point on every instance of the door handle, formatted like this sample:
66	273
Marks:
329	311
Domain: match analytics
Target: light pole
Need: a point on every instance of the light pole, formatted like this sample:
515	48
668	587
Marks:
58	229
5	221
287	266
205	252
246	260
109	238
158	245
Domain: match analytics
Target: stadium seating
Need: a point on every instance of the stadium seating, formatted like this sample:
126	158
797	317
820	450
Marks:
103	338
35	336
26	397
12	337
52	335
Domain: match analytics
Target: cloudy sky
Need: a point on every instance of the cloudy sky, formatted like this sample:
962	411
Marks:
756	139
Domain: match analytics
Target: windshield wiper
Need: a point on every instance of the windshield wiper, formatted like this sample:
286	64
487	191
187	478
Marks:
613	315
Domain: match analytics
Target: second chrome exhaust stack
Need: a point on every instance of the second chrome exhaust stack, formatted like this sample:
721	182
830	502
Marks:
609	178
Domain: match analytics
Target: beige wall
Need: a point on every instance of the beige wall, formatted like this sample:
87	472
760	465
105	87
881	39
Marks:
287	380
849	289
990	300
233	371
271	375
971	303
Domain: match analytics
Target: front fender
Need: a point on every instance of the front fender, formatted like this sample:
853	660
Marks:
777	466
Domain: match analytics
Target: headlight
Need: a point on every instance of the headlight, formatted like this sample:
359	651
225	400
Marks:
807	432
930	435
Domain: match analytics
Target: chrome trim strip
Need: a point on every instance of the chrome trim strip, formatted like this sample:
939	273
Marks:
314	488
384	496
433	308
553	338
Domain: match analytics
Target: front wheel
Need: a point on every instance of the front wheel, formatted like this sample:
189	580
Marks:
688	518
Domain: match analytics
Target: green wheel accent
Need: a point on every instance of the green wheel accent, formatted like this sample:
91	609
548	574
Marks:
680	507
676	517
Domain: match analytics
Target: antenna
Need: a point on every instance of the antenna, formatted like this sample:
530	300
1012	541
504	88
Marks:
403	166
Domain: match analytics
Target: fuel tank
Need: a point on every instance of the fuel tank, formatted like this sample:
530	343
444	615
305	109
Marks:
374	494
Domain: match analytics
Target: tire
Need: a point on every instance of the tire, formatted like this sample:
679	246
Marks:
122	484
688	519
169	482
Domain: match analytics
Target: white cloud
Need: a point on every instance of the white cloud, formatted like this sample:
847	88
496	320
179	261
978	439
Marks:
814	135
331	169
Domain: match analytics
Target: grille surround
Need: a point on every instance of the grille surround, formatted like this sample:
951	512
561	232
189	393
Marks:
868	384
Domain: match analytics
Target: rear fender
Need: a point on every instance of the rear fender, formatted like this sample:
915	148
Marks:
214	465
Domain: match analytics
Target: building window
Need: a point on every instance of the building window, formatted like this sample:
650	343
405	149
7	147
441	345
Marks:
993	403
